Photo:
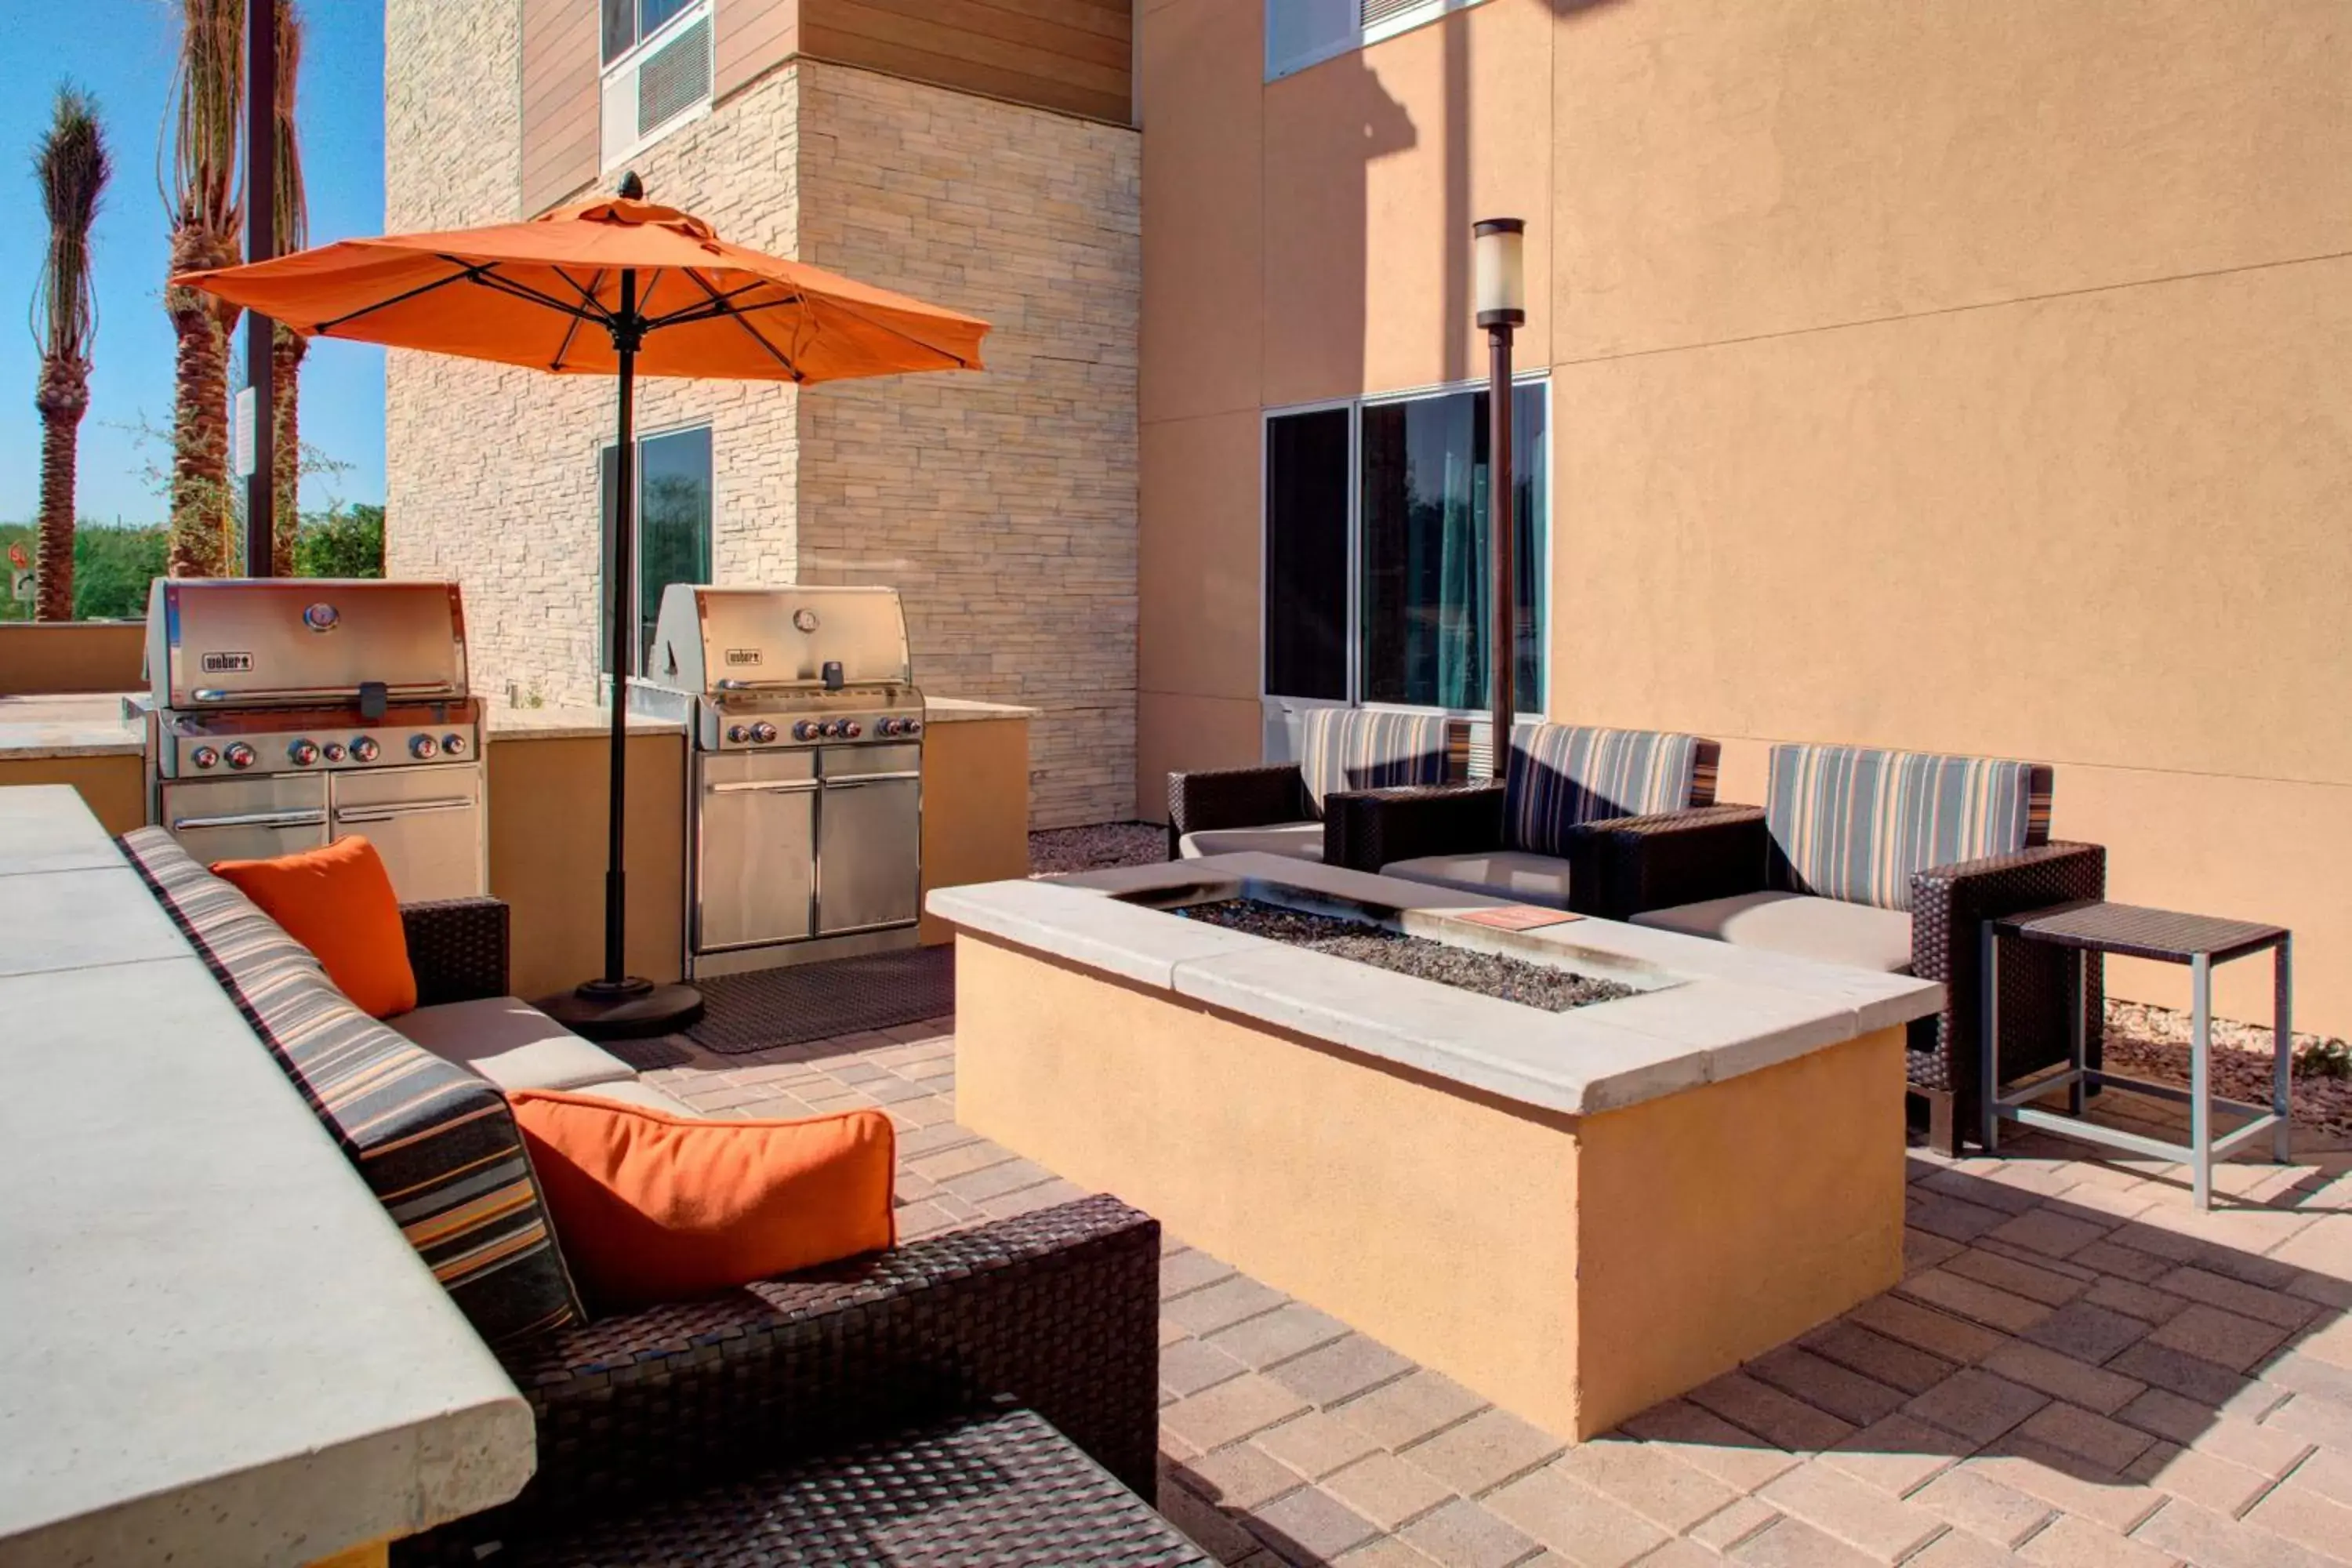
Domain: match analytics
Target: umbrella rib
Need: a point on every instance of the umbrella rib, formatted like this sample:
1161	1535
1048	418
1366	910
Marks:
724	309
481	272
572	328
718	304
849	309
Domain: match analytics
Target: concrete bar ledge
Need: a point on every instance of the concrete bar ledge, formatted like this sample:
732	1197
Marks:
221	1349
1708	1012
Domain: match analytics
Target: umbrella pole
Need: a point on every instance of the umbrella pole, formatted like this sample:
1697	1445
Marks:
618	1004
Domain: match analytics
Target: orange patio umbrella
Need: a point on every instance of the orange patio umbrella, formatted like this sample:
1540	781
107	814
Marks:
616	285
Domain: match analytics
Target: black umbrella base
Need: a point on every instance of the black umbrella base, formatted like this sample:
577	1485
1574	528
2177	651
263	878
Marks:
628	1009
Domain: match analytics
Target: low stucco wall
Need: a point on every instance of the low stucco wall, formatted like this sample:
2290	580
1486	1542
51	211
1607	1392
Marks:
1574	1270
71	656
975	807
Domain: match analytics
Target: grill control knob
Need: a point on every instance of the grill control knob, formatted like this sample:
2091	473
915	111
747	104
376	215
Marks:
204	757
453	745
763	733
851	729
739	733
240	756
335	751
424	748
302	753
910	726
805	730
365	750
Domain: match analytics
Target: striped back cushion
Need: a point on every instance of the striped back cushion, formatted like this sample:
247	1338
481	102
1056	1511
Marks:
1852	823
436	1143
1563	774
1357	748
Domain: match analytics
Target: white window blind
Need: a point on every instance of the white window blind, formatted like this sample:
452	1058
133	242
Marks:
1298	33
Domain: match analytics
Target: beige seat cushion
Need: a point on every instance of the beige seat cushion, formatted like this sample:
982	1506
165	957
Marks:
1830	931
1302	840
639	1094
1503	874
511	1042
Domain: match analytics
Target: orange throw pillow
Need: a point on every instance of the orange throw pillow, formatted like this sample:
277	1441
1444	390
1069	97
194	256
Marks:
649	1207
338	902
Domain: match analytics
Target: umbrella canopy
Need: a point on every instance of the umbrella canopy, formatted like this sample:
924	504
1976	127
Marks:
622	287
538	293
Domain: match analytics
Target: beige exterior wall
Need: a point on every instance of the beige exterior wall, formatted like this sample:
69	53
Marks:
1955	378
1001	504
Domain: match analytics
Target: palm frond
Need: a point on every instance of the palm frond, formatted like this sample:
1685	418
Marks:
291	209
206	115
71	166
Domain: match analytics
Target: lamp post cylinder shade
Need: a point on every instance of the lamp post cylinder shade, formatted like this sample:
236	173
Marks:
1499	271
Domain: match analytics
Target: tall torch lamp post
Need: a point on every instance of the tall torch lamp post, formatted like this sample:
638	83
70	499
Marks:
1498	273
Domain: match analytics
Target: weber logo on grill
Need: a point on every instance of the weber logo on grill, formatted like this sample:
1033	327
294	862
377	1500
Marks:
229	664
742	656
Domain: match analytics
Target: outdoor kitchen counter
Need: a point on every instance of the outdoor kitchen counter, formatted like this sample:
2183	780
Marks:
36	727
221	1349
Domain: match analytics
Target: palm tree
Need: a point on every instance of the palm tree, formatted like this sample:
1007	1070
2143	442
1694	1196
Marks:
70	166
200	190
291	217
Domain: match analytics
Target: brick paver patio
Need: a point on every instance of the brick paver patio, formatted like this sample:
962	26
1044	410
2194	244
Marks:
2079	1370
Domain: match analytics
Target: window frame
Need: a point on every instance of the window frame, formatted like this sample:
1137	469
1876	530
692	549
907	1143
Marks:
1539	376
603	631
627	61
1358	36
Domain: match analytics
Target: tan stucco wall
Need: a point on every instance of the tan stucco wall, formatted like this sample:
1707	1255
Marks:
1575	1270
65	657
1963	378
115	788
975	807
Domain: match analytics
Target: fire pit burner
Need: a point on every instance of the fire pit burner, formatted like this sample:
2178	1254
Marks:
1488	973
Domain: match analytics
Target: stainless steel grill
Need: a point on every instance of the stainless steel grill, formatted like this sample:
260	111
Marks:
287	714
804	799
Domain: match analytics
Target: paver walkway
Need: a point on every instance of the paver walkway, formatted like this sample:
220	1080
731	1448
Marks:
2079	1370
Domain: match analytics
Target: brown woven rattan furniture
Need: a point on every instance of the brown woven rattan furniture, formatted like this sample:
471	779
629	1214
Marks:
1001	1489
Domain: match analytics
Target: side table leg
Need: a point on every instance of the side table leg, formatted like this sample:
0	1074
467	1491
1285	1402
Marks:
2282	1048
1989	1042
2200	1081
2079	1029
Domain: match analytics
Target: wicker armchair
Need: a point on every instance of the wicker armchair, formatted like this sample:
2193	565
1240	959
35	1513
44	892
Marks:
1276	808
1058	1309
1650	868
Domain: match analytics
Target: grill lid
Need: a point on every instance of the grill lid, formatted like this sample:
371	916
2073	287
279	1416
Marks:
284	642
711	640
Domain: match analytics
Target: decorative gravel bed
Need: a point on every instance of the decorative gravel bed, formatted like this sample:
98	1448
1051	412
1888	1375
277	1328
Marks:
2151	1042
1488	973
1060	851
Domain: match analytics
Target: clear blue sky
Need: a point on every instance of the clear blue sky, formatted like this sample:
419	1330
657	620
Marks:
121	51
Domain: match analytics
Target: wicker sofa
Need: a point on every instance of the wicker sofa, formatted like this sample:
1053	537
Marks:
1280	808
1057	1309
1888	860
1522	839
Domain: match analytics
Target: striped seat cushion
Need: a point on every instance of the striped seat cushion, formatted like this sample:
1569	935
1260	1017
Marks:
1564	774
1358	748
1853	824
436	1143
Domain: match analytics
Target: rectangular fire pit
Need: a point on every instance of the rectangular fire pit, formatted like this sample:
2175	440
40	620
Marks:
1576	1211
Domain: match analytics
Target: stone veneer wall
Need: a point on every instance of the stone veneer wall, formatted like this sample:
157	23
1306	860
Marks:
1003	504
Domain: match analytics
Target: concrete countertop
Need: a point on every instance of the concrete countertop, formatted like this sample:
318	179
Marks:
221	1349
961	710
568	721
80	725
1707	1010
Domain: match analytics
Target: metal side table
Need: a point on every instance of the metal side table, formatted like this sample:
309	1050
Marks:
2198	941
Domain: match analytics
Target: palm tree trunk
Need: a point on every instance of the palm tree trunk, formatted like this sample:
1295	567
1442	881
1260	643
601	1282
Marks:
200	494
63	399
287	348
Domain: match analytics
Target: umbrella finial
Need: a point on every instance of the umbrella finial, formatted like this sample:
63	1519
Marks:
632	189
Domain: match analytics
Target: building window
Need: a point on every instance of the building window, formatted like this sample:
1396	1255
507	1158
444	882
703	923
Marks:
657	73
1300	33
1375	518
673	532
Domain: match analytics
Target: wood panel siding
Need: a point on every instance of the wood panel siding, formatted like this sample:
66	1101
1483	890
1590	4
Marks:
1073	56
752	36
561	65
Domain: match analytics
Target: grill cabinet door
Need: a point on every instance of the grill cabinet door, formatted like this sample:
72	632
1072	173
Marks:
427	823
869	848
247	819
755	858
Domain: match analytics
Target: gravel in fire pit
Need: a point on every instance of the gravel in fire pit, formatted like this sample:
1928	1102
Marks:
1488	973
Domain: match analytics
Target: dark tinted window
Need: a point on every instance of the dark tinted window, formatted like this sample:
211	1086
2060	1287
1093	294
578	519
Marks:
1306	554
673	536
